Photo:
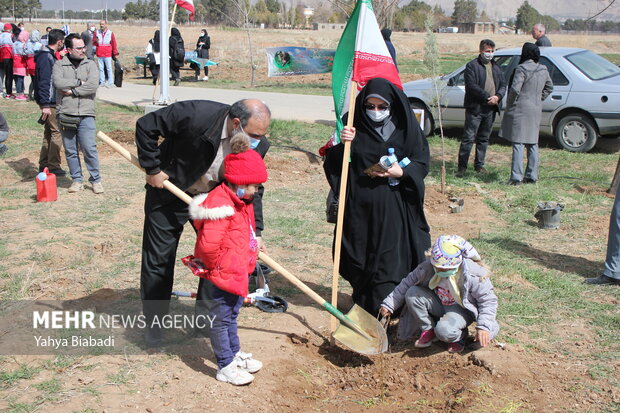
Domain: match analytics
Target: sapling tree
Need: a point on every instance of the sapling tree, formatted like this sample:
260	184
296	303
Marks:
437	92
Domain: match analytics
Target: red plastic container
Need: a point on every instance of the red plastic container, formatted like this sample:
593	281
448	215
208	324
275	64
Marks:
46	186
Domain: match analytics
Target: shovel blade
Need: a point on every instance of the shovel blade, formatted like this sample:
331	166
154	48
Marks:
348	337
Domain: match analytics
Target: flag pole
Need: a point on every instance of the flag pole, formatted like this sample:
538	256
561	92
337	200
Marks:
344	175
174	9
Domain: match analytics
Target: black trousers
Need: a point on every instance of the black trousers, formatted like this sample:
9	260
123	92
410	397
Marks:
163	226
7	65
477	130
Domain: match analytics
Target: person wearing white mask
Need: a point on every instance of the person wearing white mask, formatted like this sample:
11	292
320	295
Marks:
484	89
385	232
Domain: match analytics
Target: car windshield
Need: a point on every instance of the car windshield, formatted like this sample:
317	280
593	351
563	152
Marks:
593	65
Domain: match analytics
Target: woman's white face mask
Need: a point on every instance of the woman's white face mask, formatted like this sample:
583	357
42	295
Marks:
378	115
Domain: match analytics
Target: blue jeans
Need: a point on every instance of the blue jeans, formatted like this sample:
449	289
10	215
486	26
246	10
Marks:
19	84
612	262
82	138
223	309
531	171
105	64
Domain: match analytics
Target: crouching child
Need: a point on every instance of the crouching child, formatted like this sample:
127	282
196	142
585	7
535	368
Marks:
225	254
445	294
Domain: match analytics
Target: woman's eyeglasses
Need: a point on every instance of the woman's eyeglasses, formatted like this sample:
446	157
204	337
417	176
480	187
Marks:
370	106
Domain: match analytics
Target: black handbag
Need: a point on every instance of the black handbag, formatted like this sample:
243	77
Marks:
331	207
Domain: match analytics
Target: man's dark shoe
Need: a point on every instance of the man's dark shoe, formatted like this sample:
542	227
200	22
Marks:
514	183
602	280
529	181
177	82
154	336
460	173
58	172
482	170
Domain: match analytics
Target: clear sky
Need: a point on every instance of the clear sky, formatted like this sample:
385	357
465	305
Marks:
83	4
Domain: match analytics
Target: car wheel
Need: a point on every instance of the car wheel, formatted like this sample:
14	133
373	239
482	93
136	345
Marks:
576	133
429	124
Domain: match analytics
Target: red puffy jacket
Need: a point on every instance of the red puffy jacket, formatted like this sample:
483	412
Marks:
225	243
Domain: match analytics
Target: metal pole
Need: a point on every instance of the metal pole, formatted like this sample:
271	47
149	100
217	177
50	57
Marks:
164	68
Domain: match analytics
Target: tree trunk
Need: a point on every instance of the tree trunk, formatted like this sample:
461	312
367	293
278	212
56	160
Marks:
614	183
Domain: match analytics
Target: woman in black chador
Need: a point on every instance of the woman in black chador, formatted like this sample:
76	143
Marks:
385	232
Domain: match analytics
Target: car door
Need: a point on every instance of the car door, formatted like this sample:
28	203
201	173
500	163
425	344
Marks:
454	96
559	96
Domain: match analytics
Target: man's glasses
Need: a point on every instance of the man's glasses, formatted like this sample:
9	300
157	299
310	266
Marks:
79	48
370	106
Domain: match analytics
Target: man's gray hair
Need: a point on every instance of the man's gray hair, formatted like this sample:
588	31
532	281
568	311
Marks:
244	111
540	27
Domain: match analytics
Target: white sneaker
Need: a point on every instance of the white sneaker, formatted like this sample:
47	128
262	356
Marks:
246	363
234	375
98	188
205	78
75	187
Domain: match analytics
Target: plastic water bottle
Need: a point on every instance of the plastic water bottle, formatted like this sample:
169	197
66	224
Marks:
386	161
403	163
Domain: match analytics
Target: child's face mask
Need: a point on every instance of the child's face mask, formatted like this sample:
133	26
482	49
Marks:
446	273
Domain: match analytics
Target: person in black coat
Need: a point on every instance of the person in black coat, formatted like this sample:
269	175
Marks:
202	49
196	138
177	59
385	232
387	33
484	89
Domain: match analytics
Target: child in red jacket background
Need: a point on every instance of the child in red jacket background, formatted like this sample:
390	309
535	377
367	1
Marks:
225	254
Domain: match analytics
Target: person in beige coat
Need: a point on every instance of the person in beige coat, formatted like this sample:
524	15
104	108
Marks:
529	87
76	80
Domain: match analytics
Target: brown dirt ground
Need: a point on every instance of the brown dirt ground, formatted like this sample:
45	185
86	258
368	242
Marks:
303	372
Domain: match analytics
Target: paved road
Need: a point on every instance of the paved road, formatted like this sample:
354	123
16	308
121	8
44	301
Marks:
306	108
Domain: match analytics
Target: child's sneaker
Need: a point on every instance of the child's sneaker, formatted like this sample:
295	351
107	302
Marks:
246	363
456	347
426	339
21	97
234	375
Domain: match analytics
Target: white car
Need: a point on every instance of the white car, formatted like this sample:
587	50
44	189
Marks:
584	105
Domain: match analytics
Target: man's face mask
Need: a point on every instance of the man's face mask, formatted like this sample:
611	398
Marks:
487	56
253	141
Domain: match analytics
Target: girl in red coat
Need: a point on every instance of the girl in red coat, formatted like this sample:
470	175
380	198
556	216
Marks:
225	254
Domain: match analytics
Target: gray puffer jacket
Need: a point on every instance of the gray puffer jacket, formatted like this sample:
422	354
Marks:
82	81
476	292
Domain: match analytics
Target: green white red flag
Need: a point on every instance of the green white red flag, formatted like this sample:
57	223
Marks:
361	55
187	5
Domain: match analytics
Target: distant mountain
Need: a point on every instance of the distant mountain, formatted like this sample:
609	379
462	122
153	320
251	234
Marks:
560	9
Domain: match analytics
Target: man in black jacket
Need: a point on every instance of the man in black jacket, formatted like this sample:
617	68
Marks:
45	96
196	138
484	88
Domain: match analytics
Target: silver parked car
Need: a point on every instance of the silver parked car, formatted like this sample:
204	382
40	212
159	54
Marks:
584	105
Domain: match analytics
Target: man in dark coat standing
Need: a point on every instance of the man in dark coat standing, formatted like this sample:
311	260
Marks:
196	138
484	88
538	33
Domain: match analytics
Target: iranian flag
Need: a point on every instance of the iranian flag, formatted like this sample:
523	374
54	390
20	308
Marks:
360	56
187	5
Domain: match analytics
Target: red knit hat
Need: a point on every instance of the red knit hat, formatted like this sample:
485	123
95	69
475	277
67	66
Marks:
244	166
8	27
